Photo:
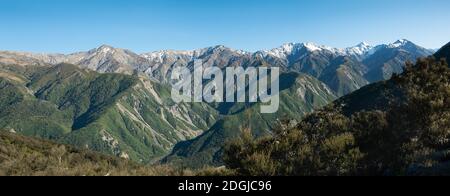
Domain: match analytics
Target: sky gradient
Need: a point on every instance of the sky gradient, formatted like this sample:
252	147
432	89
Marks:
65	26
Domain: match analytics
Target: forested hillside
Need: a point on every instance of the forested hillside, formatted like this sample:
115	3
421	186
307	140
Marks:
123	115
20	155
402	127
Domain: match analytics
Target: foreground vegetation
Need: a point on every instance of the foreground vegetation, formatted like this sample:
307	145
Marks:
407	135
24	156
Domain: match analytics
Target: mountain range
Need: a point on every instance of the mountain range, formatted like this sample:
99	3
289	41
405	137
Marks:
118	102
360	64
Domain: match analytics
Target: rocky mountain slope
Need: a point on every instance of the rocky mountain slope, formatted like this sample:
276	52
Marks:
302	94
122	115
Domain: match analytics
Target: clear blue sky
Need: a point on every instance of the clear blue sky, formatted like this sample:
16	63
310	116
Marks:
66	26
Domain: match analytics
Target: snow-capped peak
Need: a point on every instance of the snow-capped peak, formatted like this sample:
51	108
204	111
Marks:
159	56
105	49
288	48
360	49
402	41
291	48
224	48
399	43
281	52
104	46
363	45
312	47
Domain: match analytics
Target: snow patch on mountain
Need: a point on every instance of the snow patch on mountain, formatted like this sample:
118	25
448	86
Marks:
312	47
359	49
286	50
399	43
282	51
